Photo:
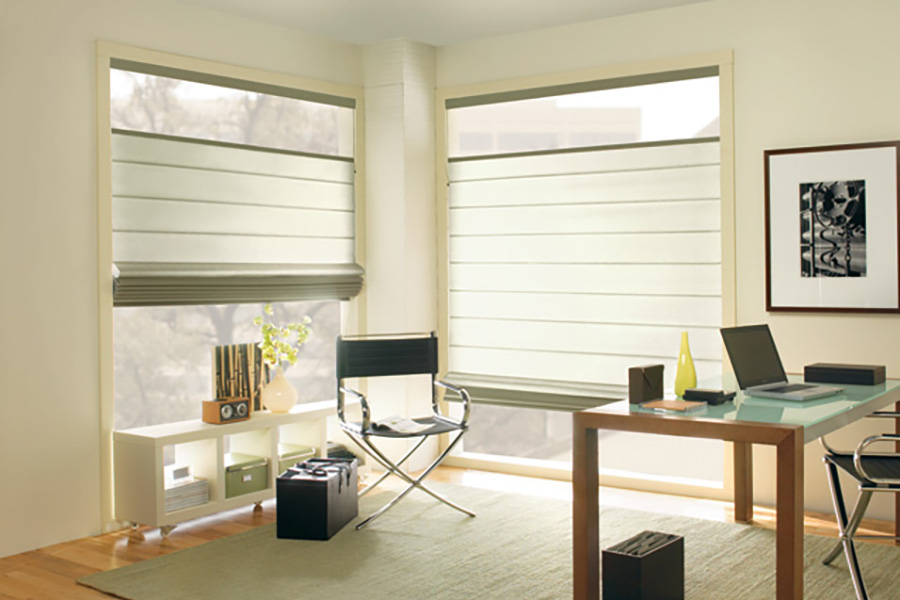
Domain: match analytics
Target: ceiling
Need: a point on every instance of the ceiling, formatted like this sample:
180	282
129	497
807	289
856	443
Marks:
434	22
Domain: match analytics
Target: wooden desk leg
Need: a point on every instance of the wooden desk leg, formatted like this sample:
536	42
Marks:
789	518
743	482
585	513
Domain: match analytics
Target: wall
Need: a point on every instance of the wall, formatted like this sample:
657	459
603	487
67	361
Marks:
806	73
49	434
400	217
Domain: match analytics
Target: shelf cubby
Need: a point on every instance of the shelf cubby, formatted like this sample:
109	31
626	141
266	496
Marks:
139	460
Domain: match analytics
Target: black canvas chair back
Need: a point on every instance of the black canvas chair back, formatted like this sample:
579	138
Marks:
386	357
391	356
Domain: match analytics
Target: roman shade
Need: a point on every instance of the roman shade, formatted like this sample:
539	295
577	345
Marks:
203	222
568	267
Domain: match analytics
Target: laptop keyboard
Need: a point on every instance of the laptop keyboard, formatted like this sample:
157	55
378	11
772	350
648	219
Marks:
791	387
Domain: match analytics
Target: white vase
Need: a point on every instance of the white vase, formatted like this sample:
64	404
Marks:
279	395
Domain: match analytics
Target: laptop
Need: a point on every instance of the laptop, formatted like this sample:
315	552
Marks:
758	368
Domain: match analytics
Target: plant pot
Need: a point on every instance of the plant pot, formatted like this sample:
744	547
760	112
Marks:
279	395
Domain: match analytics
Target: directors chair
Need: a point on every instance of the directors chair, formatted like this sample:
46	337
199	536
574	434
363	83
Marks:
874	472
384	356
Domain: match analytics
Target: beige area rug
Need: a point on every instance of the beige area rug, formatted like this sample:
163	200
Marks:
517	548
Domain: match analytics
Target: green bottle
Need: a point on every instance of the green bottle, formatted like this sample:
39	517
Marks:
685	375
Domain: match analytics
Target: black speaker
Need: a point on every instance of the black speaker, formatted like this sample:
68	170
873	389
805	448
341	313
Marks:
852	374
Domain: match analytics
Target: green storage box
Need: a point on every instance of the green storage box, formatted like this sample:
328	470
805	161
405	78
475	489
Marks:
245	473
290	454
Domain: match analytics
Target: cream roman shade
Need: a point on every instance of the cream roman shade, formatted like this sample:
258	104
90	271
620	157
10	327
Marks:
201	222
569	267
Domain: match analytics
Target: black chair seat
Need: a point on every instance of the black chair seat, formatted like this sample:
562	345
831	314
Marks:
881	467
435	427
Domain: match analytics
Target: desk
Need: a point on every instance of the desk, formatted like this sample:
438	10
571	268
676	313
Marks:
785	424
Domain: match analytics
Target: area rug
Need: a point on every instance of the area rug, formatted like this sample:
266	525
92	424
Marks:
518	547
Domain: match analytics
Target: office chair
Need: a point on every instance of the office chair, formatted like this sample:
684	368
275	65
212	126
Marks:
381	356
875	472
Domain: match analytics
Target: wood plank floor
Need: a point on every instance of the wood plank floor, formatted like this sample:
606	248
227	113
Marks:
50	573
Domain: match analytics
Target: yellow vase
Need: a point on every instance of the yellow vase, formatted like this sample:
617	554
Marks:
685	375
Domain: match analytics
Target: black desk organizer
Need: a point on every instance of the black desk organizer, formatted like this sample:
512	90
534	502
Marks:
648	566
316	498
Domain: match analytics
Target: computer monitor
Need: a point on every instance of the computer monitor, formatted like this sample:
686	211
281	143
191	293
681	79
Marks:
753	355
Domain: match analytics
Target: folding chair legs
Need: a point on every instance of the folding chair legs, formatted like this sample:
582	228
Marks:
414	483
847	528
387	472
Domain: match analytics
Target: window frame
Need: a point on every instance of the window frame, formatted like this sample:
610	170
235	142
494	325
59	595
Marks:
353	313
724	61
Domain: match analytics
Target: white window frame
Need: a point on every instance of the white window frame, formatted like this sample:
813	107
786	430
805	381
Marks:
724	60
353	314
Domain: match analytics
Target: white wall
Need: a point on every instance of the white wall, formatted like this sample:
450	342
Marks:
401	259
806	73
49	433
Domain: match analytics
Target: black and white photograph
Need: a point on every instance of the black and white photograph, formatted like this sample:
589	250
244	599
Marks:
833	229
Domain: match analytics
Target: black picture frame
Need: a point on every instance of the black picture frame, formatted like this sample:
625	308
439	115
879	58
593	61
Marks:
832	226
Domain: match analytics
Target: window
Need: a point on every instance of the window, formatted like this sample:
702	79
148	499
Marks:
226	194
163	355
141	100
582	240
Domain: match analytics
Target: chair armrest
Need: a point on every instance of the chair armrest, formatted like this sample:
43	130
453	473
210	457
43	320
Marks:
366	415
860	453
463	394
878	414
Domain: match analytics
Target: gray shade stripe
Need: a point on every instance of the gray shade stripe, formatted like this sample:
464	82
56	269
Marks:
217	143
231	82
166	284
534	394
580	87
586	149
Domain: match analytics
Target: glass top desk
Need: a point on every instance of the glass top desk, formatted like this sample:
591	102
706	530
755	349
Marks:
785	424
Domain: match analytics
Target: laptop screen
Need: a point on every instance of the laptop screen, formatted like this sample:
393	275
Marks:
753	355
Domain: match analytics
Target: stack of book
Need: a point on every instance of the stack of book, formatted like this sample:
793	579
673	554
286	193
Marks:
336	450
187	492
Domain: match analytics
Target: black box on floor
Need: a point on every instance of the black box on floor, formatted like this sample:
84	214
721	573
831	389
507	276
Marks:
316	498
836	373
649	566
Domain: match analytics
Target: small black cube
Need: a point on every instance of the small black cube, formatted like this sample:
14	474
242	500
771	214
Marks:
648	566
316	498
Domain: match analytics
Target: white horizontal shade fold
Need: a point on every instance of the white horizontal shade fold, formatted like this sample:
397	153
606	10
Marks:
201	209
569	267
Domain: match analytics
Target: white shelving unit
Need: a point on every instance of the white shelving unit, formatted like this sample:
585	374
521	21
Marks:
139	460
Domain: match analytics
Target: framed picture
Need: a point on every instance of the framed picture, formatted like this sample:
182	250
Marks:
832	228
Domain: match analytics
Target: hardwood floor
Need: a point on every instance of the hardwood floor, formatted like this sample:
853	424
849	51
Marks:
50	573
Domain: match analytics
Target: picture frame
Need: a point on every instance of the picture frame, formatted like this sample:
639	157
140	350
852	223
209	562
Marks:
832	226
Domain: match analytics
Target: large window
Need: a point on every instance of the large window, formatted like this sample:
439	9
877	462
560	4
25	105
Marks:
584	237
226	195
